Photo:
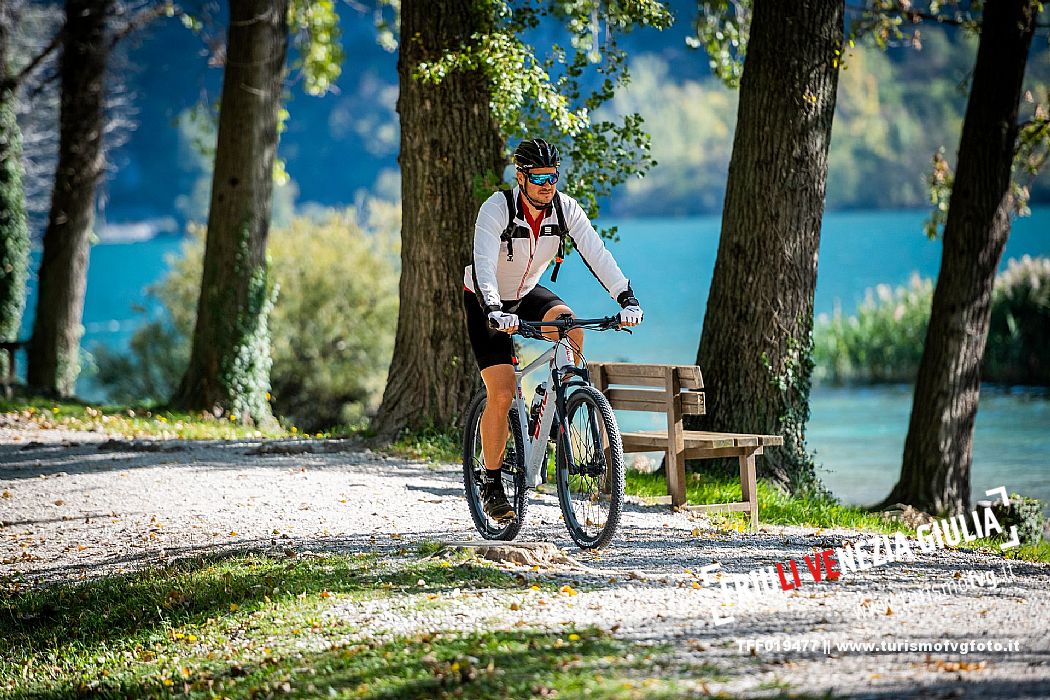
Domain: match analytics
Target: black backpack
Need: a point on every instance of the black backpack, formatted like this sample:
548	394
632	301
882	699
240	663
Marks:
512	230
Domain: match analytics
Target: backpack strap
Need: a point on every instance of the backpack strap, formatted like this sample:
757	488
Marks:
508	233
562	232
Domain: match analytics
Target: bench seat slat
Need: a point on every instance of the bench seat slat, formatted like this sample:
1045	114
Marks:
700	439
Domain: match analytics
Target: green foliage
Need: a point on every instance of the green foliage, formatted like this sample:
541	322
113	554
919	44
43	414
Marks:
315	29
775	507
332	327
429	444
722	28
884	341
886	23
533	93
692	126
792	381
889	23
14	231
127	421
249	625
940	180
244	367
890	116
1033	144
1026	514
149	371
1018	350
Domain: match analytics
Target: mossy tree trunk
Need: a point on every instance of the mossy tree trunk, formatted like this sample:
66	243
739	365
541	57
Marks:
54	349
14	230
935	473
229	368
449	139
754	350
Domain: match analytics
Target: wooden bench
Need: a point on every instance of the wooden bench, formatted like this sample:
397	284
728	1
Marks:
677	393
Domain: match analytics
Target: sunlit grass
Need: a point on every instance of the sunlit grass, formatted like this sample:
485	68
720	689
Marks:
429	444
133	422
253	625
774	506
778	508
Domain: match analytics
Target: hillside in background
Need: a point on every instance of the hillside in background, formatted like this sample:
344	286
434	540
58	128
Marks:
894	110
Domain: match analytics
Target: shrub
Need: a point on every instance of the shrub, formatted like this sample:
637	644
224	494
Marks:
1018	349
332	327
1026	514
884	341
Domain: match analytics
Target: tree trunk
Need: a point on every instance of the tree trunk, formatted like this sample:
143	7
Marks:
54	351
229	368
755	346
449	138
14	231
935	474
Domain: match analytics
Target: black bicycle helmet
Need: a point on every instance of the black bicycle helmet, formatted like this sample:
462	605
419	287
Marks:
536	153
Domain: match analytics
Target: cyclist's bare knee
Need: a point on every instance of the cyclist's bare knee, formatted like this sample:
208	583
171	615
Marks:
499	386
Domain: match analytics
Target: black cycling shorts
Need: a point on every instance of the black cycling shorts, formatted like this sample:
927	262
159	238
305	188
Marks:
495	347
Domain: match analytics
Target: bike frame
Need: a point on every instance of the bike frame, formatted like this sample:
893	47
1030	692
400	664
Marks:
535	446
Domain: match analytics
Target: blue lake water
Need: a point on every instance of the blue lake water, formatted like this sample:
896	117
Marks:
858	434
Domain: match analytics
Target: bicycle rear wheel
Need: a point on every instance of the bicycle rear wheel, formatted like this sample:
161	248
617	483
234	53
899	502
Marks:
513	472
590	470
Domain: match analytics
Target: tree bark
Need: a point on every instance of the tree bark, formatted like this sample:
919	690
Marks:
229	368
755	346
14	230
449	138
935	473
54	350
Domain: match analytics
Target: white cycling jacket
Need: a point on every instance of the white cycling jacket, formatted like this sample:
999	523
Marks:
494	278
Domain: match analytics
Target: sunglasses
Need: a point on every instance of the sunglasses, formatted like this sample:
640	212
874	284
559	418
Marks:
551	178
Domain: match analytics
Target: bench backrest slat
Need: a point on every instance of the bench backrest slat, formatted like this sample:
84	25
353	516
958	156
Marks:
692	402
630	374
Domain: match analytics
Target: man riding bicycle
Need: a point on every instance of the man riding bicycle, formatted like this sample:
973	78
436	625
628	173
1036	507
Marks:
511	252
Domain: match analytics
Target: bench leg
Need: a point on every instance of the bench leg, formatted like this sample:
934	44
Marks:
674	467
749	486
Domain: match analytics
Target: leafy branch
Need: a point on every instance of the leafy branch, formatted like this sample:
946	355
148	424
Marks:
1031	152
722	29
535	93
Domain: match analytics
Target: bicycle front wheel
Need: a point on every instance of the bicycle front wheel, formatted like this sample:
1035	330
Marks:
513	468
590	469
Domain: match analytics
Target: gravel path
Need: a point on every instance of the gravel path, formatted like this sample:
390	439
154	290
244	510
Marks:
77	505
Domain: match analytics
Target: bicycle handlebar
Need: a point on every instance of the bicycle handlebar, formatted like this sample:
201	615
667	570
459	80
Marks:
531	329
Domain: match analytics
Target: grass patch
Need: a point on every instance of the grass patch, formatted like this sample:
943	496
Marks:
429	444
428	547
1029	552
135	422
778	508
252	625
774	506
1039	553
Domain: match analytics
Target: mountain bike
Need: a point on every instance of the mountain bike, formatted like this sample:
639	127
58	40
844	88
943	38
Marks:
588	465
